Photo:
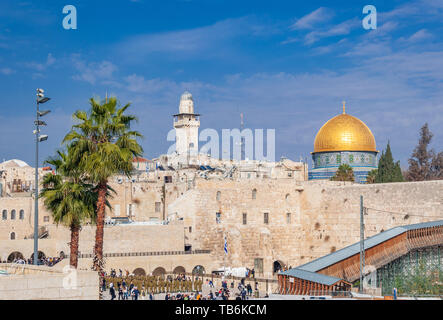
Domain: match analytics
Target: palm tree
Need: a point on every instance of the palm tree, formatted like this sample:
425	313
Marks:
70	200
344	173
104	146
371	177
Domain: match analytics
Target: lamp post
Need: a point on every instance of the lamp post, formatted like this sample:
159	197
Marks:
38	138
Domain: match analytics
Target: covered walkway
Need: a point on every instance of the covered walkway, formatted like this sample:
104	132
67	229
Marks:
336	271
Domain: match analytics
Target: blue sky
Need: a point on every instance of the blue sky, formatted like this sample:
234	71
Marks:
287	65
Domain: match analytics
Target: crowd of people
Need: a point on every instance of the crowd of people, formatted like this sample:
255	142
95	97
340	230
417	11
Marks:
46	261
174	287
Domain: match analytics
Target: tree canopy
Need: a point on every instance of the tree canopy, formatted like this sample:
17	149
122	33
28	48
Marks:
344	173
388	170
425	163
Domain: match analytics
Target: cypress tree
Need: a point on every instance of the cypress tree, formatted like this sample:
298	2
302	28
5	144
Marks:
388	171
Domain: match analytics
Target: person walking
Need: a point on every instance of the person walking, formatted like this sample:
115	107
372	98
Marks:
249	289
243	294
125	293
120	291
135	293
112	291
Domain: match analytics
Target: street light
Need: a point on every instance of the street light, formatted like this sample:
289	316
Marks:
38	138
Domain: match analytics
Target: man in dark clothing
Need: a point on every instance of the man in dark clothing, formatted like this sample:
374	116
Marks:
243	294
249	288
135	293
112	291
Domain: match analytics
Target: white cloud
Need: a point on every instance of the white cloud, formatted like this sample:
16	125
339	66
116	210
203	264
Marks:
212	40
309	21
7	71
342	28
418	36
92	72
50	60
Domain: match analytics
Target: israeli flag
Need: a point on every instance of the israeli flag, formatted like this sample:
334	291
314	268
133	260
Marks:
226	246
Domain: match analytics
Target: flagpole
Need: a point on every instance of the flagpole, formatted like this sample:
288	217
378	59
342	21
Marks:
225	249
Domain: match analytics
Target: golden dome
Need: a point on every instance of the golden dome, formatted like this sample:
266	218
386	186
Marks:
344	133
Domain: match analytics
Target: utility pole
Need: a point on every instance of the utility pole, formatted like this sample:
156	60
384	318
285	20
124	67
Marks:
38	138
362	244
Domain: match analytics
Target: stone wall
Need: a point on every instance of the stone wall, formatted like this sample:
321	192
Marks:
331	211
25	282
117	239
279	240
324	217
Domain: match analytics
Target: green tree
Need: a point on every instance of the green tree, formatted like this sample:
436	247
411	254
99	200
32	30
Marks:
388	170
104	145
344	173
370	178
425	163
70	200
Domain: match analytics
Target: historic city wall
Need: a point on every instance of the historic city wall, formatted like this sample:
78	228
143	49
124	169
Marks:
331	211
277	240
324	216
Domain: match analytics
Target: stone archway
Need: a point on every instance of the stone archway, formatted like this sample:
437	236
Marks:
198	270
139	272
160	271
41	255
178	270
14	256
277	266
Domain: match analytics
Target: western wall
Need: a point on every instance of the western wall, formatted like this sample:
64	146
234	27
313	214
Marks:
324	217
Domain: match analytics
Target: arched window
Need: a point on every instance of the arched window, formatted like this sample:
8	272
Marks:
218	196
13	214
4	215
22	214
12	235
198	270
254	194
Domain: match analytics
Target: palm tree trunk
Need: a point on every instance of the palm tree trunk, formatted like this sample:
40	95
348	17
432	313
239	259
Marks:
73	257
101	206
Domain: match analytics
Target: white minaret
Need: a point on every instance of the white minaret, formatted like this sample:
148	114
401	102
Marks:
186	124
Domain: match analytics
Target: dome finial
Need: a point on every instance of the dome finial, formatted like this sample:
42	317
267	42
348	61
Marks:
344	107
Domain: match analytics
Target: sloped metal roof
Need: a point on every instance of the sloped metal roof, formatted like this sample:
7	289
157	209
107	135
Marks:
370	242
311	276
